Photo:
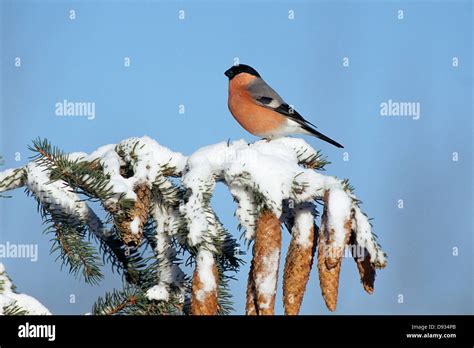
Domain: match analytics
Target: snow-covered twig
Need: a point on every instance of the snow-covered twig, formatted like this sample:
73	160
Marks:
271	181
123	177
170	276
11	179
12	303
261	177
59	197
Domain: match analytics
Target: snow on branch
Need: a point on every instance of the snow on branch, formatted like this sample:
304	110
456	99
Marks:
12	179
261	177
131	182
154	197
14	303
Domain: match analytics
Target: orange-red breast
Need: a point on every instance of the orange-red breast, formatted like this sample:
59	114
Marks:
261	111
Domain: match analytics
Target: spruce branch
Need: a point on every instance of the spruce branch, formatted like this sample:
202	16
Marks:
82	176
11	179
14	309
162	198
74	250
133	301
123	259
228	264
116	302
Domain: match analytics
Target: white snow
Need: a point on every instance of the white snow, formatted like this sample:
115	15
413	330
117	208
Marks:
135	225
59	196
158	293
339	212
366	239
169	273
246	208
15	179
205	263
51	193
111	162
76	156
8	173
9	297
266	281
303	225
272	168
199	180
299	146
146	157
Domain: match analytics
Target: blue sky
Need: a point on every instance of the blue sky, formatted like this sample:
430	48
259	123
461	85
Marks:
181	62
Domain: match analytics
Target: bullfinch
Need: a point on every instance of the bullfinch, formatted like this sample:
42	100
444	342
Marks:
261	111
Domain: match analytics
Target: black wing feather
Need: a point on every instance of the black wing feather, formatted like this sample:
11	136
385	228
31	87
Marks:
288	111
264	100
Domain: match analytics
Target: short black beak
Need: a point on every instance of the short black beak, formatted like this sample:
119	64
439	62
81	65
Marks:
228	73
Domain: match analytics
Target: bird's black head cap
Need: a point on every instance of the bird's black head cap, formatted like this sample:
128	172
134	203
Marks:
241	68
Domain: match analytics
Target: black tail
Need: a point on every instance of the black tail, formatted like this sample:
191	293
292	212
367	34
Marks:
322	136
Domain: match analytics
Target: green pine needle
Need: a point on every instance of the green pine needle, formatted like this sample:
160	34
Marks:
132	301
14	309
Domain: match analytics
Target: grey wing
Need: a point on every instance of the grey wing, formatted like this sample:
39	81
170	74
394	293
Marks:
265	96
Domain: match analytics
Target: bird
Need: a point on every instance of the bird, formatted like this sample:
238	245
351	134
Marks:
261	111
